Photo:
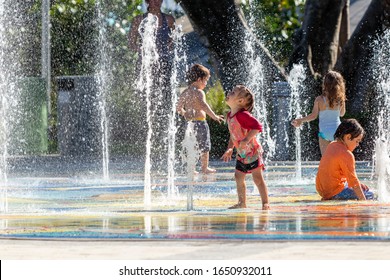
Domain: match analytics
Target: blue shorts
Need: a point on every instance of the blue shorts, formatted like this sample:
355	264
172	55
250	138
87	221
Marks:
202	134
349	194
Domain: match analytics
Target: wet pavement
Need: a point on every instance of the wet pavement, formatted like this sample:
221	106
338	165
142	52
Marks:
84	207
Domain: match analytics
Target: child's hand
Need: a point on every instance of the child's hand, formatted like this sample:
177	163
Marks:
364	187
220	119
266	206
243	143
227	156
296	123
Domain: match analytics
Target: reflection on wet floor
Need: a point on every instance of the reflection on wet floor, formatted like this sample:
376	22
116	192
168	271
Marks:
86	208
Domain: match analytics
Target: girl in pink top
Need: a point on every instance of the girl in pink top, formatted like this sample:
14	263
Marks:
243	128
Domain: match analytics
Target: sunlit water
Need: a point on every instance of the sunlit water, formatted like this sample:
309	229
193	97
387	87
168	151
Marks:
3	116
103	76
63	206
256	82
179	64
155	96
50	198
381	64
10	111
147	30
190	155
296	80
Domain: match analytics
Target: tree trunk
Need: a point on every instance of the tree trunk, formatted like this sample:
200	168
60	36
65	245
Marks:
325	29
321	45
355	62
357	66
222	25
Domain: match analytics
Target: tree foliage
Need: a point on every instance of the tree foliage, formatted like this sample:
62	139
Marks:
275	22
321	43
75	27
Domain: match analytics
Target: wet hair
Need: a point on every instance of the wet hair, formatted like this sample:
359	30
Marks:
333	86
246	93
349	126
197	71
147	2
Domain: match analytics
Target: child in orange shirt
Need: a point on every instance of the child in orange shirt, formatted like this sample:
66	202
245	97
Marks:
336	178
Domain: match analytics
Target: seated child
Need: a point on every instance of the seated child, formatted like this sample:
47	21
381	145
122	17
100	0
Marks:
336	177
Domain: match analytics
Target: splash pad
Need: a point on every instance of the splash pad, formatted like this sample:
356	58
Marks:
52	198
81	207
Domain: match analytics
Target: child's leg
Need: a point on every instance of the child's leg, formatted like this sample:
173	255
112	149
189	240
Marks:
349	194
258	178
204	159
323	144
241	190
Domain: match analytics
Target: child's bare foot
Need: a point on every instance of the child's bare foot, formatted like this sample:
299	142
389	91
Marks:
209	170
237	206
266	206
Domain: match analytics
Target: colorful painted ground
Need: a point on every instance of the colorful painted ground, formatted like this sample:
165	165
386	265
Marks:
85	208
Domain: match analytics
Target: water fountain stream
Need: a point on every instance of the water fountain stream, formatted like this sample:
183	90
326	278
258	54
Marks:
256	82
3	114
179	64
150	58
47	200
190	156
103	71
150	66
381	64
10	110
296	82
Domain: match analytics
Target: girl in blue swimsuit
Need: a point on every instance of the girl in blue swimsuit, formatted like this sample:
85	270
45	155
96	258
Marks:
329	107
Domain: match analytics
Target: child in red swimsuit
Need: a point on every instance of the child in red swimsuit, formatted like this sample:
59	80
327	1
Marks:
243	128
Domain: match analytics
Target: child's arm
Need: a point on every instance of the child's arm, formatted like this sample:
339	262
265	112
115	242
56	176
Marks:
133	34
312	116
347	165
342	109
171	24
227	155
252	133
359	192
205	107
